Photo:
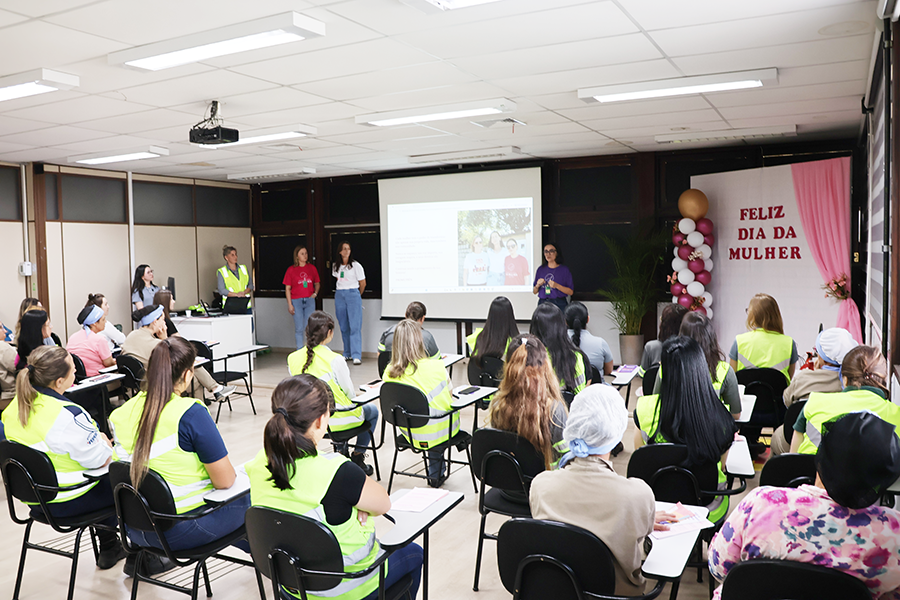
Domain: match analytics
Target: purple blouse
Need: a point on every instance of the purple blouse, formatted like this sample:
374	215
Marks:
560	275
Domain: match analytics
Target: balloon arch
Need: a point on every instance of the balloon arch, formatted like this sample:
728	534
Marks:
692	265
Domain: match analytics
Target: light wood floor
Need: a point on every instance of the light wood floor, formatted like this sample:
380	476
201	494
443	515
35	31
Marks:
453	540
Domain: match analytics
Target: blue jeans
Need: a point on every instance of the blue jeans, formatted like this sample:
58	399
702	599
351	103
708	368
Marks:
202	531
435	462
303	307
97	498
407	559
559	302
348	306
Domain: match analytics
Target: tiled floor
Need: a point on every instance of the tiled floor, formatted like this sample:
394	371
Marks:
453	540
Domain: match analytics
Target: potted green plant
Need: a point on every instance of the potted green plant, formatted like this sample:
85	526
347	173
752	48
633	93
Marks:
632	290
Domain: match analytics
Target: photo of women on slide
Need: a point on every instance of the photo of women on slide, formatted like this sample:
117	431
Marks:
475	268
497	254
515	266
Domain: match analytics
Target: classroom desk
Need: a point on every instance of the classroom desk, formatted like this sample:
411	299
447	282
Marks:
450	360
624	379
461	401
739	462
748	401
232	332
668	556
409	525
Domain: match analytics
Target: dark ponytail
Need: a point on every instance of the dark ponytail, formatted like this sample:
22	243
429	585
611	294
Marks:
317	328
169	361
576	320
296	403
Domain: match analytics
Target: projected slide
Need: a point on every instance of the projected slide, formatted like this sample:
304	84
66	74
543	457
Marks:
461	246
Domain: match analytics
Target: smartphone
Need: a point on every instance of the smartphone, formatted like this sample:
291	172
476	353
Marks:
469	390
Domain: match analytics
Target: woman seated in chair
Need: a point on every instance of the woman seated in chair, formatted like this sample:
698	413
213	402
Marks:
864	374
35	330
688	411
567	361
317	359
835	523
699	328
164	298
410	365
764	345
87	343
192	466
529	402
499	328
669	324
113	336
42	418
291	475
597	421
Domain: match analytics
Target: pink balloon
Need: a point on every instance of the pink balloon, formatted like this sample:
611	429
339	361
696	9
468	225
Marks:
677	289
700	310
696	265
684	252
709	239
703	277
678	238
685	300
705	226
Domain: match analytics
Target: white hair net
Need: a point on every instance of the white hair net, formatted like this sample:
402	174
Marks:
598	417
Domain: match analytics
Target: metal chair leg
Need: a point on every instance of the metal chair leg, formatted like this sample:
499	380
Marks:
74	564
478	555
22	560
393	470
206	579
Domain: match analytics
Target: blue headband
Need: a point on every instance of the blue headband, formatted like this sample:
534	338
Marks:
152	316
579	448
96	315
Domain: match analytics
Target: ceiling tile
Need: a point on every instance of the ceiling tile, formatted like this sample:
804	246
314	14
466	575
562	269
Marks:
263	101
839	117
143	121
10	125
39	8
202	87
76	110
596	110
54	136
389	81
97	76
792	108
10	18
788	94
117	142
658	119
463	92
571	81
312	115
58	46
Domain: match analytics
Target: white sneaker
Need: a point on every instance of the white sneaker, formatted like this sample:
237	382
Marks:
356	361
223	391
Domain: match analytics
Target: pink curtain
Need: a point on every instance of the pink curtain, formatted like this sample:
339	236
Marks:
822	189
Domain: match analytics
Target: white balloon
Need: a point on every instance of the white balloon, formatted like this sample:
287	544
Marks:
674	299
675	252
679	264
696	289
687	226
705	251
685	277
707	299
695	239
708	264
709	312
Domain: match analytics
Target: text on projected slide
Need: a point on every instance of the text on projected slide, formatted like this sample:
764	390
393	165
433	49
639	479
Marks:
461	246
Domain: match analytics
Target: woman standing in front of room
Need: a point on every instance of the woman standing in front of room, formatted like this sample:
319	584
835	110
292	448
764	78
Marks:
301	288
553	280
351	282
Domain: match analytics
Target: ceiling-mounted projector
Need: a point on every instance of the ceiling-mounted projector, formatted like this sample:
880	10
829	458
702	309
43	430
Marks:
211	131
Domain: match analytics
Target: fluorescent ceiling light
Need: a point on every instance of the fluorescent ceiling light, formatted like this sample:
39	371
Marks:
727	134
273	174
103	158
437	6
438	113
252	35
271	134
682	86
450	157
32	83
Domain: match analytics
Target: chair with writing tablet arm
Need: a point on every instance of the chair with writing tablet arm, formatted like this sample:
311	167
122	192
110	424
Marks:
762	579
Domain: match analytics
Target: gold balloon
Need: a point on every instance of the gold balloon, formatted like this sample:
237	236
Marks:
693	204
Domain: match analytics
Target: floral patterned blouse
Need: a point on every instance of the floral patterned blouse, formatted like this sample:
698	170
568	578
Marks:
805	525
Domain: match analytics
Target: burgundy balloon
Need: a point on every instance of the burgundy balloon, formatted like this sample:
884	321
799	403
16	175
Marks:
677	289
685	300
705	226
696	265
709	239
684	252
700	310
703	277
678	238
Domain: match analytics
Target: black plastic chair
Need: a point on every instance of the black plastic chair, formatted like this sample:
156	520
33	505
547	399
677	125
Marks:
665	469
94	400
133	370
223	377
649	380
384	359
789	470
488	374
406	408
768	386
152	509
790	417
302	554
546	559
508	463
596	376
568	397
28	476
80	371
762	579
341	439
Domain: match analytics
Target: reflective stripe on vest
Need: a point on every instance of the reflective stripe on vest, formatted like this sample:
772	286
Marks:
823	407
182	471
236	284
320	367
431	378
759	349
580	377
46	410
313	476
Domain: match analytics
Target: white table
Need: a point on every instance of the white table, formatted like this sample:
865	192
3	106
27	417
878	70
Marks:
232	332
669	555
94	382
748	401
739	462
463	400
450	360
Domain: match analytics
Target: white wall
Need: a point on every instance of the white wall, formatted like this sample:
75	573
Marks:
12	284
170	251
209	254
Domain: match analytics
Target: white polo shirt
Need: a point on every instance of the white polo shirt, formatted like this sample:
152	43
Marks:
348	277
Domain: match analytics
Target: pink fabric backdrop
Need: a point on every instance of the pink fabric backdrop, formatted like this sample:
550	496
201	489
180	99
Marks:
822	189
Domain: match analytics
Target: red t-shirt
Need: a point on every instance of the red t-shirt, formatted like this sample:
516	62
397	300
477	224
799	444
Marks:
301	280
516	270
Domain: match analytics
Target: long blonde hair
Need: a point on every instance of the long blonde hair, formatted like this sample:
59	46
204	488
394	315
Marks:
46	364
529	392
763	313
407	348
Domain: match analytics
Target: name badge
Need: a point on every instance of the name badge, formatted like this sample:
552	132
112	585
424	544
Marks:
342	274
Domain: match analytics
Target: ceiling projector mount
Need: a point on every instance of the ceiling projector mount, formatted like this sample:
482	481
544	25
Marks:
210	130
